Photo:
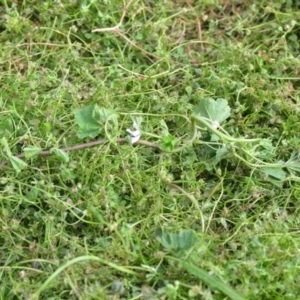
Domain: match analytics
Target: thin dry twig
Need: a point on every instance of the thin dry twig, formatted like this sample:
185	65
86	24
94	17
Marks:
180	38
85	146
199	29
117	27
117	30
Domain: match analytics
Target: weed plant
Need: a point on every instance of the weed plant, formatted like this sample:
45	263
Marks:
205	205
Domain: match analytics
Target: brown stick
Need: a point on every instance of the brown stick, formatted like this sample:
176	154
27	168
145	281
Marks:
199	29
85	146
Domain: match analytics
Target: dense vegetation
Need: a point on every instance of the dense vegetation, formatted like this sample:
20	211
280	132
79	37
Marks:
205	205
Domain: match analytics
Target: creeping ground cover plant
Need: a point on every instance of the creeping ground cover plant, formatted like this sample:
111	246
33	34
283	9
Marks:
205	118
149	150
206	130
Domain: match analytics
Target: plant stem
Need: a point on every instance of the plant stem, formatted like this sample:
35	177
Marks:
222	135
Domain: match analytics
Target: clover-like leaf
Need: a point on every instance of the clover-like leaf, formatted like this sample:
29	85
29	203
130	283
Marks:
167	143
215	110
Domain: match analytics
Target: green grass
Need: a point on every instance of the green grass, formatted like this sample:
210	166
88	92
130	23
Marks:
211	214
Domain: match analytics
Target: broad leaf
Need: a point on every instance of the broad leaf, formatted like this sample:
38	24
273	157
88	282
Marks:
277	173
215	110
17	163
176	242
88	126
31	151
102	115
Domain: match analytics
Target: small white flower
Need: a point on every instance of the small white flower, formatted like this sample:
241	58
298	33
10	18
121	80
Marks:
135	134
215	124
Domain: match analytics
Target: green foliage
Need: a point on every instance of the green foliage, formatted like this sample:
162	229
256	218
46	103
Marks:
184	240
17	163
103	115
60	154
92	119
6	126
88	125
167	143
31	151
5	145
293	164
277	173
211	281
214	110
216	84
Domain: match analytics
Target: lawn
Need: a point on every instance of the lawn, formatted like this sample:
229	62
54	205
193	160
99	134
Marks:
149	149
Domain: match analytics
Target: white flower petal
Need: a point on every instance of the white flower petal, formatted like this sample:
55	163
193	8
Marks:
135	139
135	134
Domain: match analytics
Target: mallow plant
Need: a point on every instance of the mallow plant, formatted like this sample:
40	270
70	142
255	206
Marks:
206	118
